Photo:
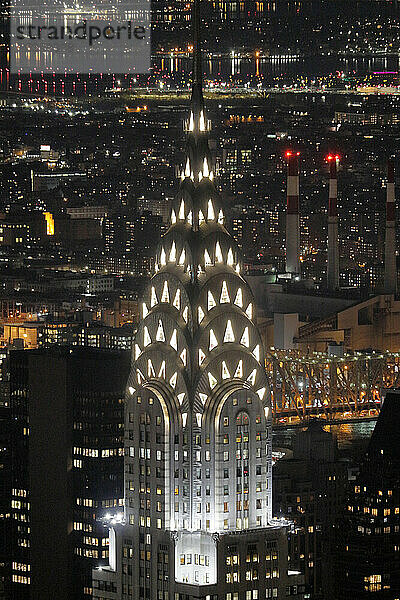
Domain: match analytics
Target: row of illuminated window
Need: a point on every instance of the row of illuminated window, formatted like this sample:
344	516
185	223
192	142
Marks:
379	530
239	455
20	493
21	579
250	575
20	504
198	559
94	541
94	453
20	517
146	522
91	553
357	490
17	566
242	505
110	502
239	473
79	526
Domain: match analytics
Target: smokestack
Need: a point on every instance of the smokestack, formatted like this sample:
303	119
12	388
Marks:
292	215
390	286
333	243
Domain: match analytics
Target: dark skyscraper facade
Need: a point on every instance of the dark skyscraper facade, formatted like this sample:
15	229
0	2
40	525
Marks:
67	467
369	556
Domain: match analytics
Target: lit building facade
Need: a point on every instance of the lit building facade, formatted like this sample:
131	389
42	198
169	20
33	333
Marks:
198	506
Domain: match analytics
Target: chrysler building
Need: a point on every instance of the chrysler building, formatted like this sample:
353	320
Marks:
198	520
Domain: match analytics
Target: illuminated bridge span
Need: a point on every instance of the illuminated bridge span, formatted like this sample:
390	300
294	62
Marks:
318	385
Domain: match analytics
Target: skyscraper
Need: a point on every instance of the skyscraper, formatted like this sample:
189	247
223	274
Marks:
198	518
66	408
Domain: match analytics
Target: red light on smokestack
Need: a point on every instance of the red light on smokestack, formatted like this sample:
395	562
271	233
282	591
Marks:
288	154
331	157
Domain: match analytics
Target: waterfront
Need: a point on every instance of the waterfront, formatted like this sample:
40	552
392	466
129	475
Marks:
352	438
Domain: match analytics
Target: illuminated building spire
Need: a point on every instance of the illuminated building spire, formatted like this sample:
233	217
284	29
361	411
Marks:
197	373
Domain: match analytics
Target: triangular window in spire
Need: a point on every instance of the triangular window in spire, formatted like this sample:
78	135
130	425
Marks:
163	259
182	211
138	351
224	371
207	259
181	397
202	123
172	381
261	393
191	121
187	168
185	314
154	299
245	337
145	310
201	217
211	302
160	337
182	258
229	336
161	372
177	299
212	381
165	293
224	298
200	313
183	356
150	369
210	209
252	377
213	340
229	260
173	341
190	218
203	398
237	269
249	311
173	217
218	253
201	356
198	419
140	376
184	419
206	170
146	336
256	352
239	298
239	369
172	254
221	217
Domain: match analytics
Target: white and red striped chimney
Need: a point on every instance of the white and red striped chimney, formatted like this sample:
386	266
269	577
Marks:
390	284
292	215
333	241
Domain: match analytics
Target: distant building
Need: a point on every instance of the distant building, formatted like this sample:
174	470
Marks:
368	557
372	324
309	488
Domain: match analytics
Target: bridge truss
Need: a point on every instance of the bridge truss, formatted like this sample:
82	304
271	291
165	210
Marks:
318	385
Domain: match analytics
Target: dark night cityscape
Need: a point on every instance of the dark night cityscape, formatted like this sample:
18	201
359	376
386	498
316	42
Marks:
199	302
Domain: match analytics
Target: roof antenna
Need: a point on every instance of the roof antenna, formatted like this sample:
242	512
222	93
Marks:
197	89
